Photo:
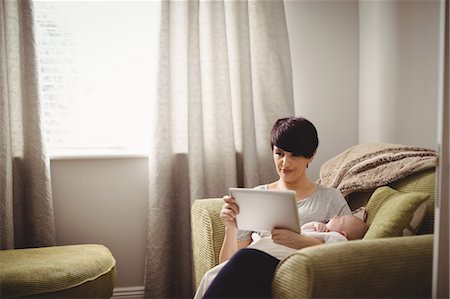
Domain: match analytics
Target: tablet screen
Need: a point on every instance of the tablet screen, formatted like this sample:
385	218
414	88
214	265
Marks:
264	210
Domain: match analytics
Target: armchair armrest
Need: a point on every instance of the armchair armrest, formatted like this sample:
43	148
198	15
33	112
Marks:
208	233
381	268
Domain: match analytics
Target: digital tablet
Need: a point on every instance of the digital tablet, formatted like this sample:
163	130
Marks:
264	210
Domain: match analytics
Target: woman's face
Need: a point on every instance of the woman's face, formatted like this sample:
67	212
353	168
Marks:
290	168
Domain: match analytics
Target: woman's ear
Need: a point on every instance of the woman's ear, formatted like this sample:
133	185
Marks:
312	157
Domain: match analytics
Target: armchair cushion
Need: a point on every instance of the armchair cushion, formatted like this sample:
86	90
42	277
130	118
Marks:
83	271
391	212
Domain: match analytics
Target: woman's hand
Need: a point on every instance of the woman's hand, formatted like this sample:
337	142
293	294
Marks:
228	212
292	239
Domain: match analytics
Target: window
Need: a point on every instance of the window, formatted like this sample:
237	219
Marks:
97	73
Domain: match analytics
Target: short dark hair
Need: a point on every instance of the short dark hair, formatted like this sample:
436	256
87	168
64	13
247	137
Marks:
296	135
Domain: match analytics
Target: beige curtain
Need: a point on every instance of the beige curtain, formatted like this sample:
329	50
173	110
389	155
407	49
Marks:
26	209
224	78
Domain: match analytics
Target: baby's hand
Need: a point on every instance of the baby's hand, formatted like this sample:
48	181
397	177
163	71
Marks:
320	227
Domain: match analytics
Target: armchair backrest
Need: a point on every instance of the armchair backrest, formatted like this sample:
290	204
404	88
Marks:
423	181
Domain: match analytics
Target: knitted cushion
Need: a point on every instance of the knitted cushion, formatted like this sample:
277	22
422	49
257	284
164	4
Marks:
30	272
390	212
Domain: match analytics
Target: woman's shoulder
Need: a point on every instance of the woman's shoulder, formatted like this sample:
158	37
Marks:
324	191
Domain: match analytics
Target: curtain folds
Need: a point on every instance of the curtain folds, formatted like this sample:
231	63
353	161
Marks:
26	207
224	78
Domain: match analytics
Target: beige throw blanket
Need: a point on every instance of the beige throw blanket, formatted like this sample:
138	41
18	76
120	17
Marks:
367	166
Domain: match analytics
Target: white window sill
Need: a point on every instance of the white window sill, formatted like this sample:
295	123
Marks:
98	153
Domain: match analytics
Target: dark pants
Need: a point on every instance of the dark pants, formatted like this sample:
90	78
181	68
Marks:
248	274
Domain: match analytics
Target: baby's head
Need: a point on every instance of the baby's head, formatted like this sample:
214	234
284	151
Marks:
350	226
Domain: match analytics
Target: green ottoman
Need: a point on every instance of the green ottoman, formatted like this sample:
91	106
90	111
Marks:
73	271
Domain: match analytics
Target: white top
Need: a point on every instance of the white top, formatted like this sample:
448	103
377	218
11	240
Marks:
321	206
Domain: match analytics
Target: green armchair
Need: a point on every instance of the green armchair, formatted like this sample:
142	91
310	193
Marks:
377	268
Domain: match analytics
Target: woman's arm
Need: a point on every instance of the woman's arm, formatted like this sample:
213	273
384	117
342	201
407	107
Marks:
293	240
230	243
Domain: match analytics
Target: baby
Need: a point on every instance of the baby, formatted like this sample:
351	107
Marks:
350	227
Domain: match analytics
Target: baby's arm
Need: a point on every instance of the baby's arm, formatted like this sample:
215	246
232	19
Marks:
317	226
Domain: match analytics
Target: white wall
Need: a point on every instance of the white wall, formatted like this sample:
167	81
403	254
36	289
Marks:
104	200
324	43
365	71
399	72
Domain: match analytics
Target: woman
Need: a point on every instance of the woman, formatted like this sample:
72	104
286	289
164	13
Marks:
249	271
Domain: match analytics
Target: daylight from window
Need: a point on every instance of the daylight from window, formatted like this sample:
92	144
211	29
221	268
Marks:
97	73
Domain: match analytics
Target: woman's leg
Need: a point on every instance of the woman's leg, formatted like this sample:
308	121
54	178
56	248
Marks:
207	279
248	274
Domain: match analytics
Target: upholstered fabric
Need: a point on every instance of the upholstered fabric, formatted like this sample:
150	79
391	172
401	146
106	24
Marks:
383	268
390	212
49	270
423	181
207	235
